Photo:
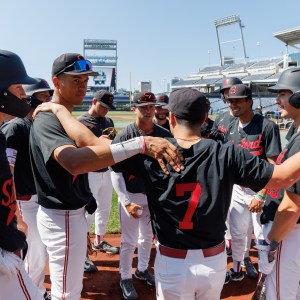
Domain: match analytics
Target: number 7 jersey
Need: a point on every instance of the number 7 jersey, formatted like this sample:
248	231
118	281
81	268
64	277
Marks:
189	209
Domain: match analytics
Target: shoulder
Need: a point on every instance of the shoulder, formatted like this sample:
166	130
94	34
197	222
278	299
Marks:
161	131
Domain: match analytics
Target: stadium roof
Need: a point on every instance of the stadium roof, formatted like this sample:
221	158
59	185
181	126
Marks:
290	37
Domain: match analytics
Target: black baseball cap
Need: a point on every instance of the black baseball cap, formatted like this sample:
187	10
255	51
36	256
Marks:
188	104
239	91
105	98
144	99
72	64
162	100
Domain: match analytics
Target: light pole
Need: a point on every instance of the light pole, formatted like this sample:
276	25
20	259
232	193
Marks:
208	52
164	85
258	49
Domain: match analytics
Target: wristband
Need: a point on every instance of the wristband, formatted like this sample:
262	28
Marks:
256	197
262	197
124	150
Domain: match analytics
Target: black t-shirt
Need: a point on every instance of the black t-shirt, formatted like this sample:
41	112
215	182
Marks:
56	187
260	137
96	125
223	122
136	185
189	209
291	132
17	137
275	196
11	239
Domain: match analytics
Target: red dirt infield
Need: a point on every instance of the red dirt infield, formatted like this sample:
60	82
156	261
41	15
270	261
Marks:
104	283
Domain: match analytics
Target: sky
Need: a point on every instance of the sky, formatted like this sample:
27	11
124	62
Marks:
157	40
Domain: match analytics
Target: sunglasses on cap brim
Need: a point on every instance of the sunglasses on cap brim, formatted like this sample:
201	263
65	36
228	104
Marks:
79	65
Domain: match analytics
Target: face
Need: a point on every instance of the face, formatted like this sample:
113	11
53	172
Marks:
17	90
99	109
161	113
240	107
71	88
43	96
145	113
286	109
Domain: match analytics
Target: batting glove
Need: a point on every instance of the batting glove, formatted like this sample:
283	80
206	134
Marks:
9	263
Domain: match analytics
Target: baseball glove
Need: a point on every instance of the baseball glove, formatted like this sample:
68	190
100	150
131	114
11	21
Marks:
110	132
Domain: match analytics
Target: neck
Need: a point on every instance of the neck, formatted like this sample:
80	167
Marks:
5	117
94	114
62	101
246	118
186	137
146	127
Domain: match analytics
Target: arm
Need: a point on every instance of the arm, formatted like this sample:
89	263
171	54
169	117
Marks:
155	147
258	200
118	183
286	217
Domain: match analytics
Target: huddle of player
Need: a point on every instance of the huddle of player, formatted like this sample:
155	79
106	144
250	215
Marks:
180	183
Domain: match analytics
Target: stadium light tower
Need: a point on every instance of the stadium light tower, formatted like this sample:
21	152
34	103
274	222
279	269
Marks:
230	20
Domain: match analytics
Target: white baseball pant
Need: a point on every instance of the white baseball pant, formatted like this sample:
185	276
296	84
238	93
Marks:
37	256
195	277
19	287
101	187
64	234
135	231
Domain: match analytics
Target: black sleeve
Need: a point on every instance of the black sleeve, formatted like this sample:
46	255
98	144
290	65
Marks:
247	169
272	139
14	136
50	134
295	148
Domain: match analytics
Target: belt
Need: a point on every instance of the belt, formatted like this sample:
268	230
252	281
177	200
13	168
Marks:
181	253
24	198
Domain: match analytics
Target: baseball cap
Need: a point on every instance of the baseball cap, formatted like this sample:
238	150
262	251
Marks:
144	99
239	91
41	86
72	64
162	100
105	98
188	104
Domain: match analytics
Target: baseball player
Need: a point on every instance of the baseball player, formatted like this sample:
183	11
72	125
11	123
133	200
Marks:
17	132
14	281
131	194
100	181
208	123
282	206
61	159
188	210
161	114
260	137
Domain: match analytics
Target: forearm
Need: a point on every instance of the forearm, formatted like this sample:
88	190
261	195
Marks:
119	186
286	217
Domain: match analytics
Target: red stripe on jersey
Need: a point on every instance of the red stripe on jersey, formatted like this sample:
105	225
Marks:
23	286
67	227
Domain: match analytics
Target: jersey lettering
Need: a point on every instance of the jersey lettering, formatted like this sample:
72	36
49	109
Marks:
195	188
8	199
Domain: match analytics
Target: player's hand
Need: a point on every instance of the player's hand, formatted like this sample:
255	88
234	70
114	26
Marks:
134	210
10	263
162	150
48	107
266	259
255	206
109	132
216	135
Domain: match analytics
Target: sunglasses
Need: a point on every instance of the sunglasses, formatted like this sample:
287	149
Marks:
78	65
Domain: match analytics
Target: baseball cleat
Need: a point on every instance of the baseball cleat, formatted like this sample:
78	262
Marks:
47	296
89	266
128	289
231	275
228	252
250	269
146	275
105	247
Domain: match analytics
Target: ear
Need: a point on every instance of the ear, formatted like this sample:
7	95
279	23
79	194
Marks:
55	81
172	119
94	101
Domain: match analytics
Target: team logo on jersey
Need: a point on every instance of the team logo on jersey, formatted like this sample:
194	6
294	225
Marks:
254	147
8	201
280	157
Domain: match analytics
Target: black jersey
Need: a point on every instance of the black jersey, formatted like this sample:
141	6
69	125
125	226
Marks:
11	239
189	209
17	137
260	137
56	187
96	125
275	196
223	122
133	184
291	132
166	125
206	127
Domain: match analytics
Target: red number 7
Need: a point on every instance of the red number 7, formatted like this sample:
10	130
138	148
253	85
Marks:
195	188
